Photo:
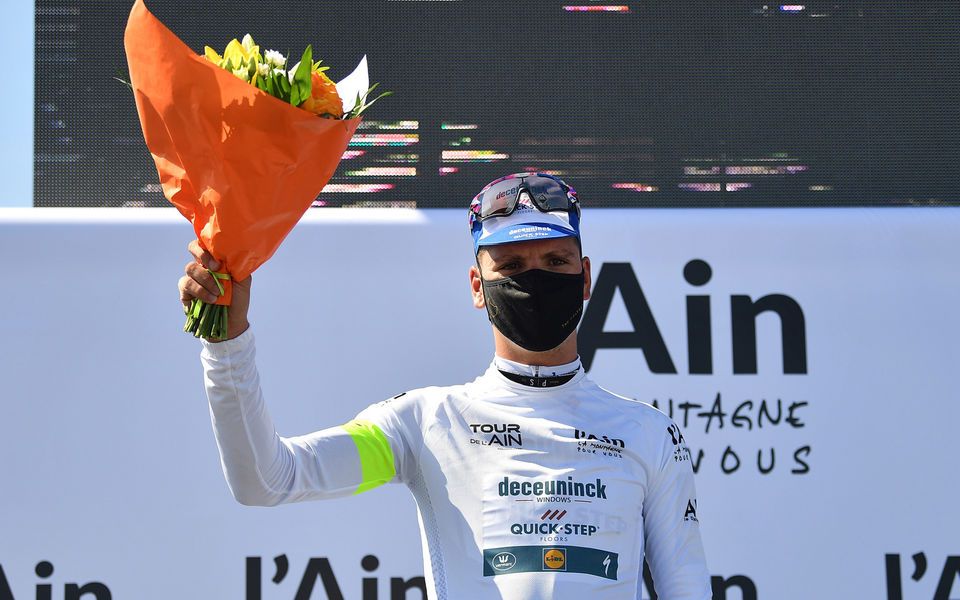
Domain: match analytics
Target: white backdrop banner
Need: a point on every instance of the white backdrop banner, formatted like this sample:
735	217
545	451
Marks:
810	357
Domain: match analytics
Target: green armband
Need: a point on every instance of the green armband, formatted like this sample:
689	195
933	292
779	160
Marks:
376	457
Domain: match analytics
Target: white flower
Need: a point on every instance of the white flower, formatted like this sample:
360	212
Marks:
275	58
279	72
354	85
293	71
242	74
263	69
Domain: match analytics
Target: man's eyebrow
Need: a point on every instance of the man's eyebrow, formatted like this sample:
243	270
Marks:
561	253
506	255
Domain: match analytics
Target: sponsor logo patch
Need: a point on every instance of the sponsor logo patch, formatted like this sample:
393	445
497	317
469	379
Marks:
675	436
503	561
553	490
680	450
500	435
533	559
583	435
555	559
601	445
691	513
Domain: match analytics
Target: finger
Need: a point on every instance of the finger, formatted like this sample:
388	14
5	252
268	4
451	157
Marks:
202	256
190	289
185	296
205	287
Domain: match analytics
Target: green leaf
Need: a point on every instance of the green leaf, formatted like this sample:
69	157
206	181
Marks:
301	79
362	104
123	78
269	85
263	84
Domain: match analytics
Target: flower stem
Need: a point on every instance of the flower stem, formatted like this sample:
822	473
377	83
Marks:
206	320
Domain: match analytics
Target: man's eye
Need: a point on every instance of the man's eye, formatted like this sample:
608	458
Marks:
558	262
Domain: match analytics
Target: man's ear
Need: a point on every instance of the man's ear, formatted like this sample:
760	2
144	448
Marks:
476	287
587	281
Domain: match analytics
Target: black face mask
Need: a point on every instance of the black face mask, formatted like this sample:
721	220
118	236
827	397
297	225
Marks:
535	309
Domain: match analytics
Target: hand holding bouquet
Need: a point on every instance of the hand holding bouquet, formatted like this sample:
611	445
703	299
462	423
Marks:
238	142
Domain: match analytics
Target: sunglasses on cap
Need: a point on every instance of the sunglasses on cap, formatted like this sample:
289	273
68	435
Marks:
501	197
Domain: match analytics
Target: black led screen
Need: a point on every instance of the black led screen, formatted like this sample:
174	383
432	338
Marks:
641	104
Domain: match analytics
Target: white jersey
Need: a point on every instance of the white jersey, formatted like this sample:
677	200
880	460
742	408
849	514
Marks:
524	493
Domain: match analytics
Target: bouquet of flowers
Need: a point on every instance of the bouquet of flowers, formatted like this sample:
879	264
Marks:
238	141
304	85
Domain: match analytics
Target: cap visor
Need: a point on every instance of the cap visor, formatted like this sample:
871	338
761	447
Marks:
526	232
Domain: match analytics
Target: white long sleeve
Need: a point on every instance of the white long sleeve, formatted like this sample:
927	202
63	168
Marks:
261	467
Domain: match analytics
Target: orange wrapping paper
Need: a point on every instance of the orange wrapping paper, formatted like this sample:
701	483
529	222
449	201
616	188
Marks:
241	165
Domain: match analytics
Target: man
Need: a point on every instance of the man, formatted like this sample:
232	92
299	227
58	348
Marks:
531	481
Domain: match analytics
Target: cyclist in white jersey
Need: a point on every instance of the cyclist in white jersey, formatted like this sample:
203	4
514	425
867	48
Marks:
531	482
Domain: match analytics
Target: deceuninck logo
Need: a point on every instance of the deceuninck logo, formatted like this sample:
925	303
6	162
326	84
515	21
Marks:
568	487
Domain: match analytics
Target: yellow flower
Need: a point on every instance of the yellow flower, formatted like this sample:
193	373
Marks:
240	54
212	55
249	45
235	52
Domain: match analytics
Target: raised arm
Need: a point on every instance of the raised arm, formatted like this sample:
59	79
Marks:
263	468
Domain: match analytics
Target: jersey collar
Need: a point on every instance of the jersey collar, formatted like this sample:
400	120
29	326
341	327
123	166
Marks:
536	376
